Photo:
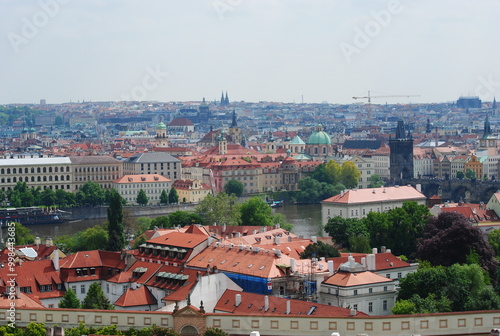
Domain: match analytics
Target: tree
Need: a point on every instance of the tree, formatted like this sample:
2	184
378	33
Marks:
91	193
341	229
375	181
173	197
313	191
494	240
255	212
164	197
220	209
69	300
460	175
470	174
333	171
359	244
34	329
142	199
183	218
115	223
234	187
318	250
280	220
48	197
213	331
349	174
449	238
92	238
161	222
22	234
95	299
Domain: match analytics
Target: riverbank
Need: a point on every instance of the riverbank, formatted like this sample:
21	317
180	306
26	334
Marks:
101	211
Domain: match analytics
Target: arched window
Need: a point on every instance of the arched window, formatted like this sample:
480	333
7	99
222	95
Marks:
50	177
38	170
56	169
315	150
67	169
67	177
32	170
26	179
26	170
44	169
14	171
32	179
3	171
50	169
14	179
38	178
8	170
56	178
324	150
44	178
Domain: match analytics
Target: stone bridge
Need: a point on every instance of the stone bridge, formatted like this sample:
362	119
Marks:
469	191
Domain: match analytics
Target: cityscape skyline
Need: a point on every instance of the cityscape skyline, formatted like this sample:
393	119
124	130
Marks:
278	51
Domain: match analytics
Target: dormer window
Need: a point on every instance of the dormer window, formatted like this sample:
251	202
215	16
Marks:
78	272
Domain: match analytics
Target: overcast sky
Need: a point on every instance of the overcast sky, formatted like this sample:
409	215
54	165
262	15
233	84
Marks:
257	50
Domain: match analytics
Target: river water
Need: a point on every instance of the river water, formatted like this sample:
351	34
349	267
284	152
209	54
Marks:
306	220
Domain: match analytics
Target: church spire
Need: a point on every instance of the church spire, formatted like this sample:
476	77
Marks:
226	100
494	103
400	130
222	99
234	123
487	128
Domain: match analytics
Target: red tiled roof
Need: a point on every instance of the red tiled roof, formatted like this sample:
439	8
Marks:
141	178
376	195
136	297
179	239
180	122
347	279
253	304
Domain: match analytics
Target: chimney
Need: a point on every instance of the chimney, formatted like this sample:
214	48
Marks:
419	187
262	229
314	239
276	240
255	333
363	261
254	232
292	265
55	259
237	300
18	292
388	251
266	303
353	312
374	250
352	263
287	307
20	262
370	262
278	253
382	249
38	241
48	242
330	267
289	239
224	227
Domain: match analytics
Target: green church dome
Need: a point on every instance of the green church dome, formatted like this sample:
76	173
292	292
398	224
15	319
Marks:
161	125
319	137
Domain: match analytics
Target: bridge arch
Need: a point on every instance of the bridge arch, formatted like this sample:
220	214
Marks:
486	194
461	193
430	189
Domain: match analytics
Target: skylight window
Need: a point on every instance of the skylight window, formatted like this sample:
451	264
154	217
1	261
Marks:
250	265
262	267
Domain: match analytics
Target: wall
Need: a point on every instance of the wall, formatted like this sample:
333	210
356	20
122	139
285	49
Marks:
135	211
479	322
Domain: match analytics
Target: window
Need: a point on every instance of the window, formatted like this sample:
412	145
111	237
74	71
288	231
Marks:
355	307
73	288
82	289
370	307
399	275
46	288
388	275
385	288
384	305
125	288
355	292
107	288
370	290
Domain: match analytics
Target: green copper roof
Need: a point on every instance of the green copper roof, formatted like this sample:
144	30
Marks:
161	125
319	138
297	141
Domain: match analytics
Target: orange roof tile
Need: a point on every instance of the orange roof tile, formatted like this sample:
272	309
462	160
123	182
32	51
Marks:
179	239
253	304
347	279
136	297
376	195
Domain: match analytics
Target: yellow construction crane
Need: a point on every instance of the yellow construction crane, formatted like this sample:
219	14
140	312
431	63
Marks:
369	98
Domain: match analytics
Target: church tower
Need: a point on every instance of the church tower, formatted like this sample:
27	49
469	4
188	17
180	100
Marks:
203	112
270	144
235	131
401	157
161	139
222	142
488	142
428	128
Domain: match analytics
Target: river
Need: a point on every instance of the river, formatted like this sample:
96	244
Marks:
306	220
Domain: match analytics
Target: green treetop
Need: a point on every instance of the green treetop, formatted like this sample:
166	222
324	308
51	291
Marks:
95	298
